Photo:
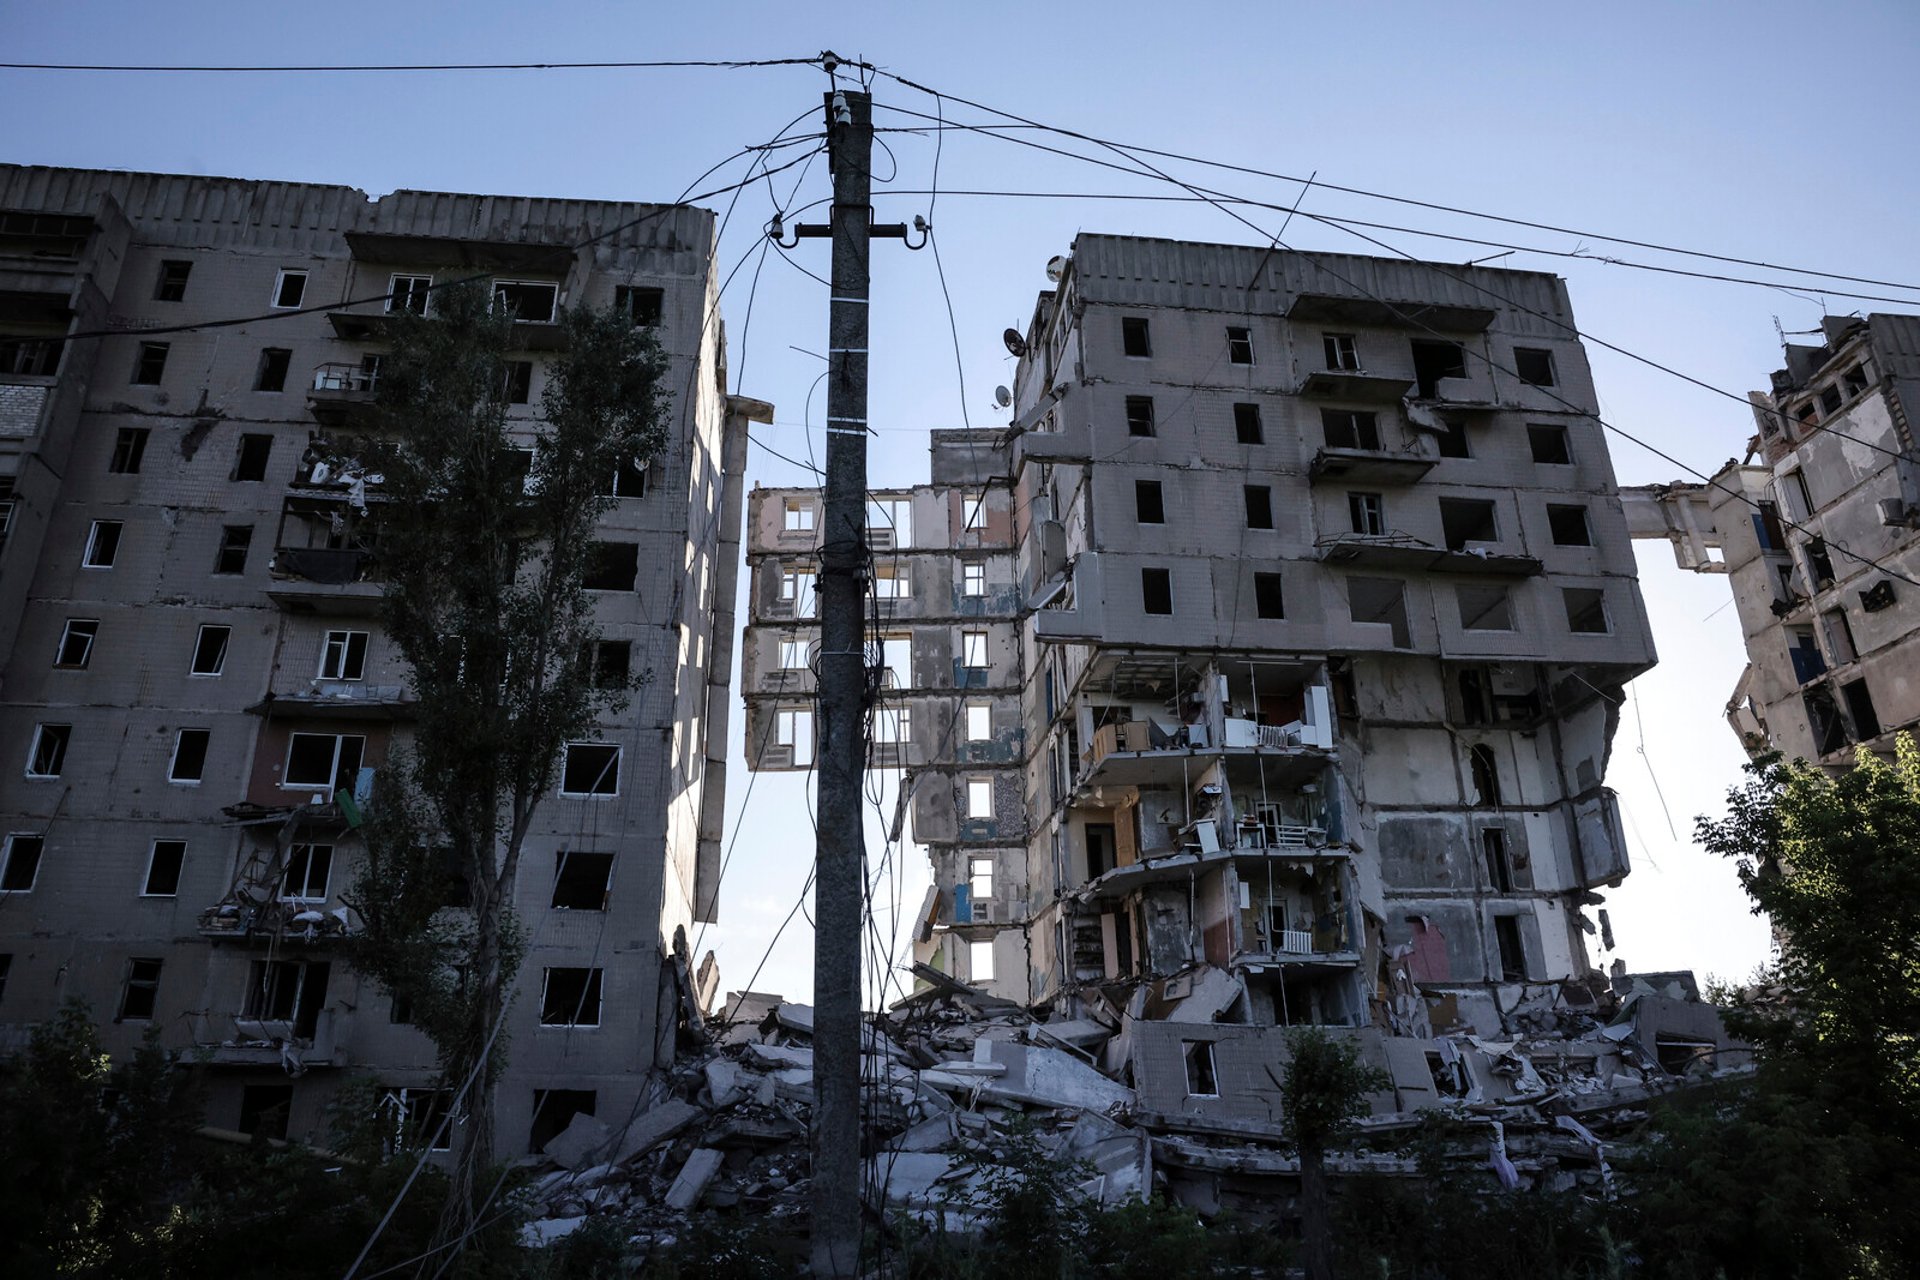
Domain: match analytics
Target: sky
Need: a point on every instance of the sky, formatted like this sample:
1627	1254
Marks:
1769	132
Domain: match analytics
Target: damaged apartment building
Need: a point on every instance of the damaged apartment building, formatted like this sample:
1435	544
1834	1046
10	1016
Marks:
1820	542
1310	581
198	691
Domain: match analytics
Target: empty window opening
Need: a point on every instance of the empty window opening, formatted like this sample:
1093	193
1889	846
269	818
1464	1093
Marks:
324	761
1247	428
973	510
288	991
1767	528
979	721
309	868
1513	957
163	869
973	649
1268	601
1803	651
1239	345
979	797
411	294
612	664
1156	591
1368	513
1823	717
1569	526
231	558
528	301
1866	721
1343	351
171	284
581	880
1133	336
251	461
289	288
591	769
553	1111
796	591
793	729
1148	507
1452	438
272	374
21	866
1586	610
1202	1081
1350	429
793	655
1464	520
129	448
1534	365
264	1110
1484	608
516	381
797	516
141	992
1433	361
1854	380
1548	440
1381	600
892	582
629	479
1139	415
210	650
612	566
973	578
1840	637
893	724
980	961
1801	495
150	364
1830	400
418	1118
1485	770
343	656
1259	499
641	304
76	643
103	544
1819	563
1493	844
570	997
49	752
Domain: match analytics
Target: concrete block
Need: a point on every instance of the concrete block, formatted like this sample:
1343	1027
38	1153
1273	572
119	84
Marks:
575	1146
725	1081
695	1174
651	1128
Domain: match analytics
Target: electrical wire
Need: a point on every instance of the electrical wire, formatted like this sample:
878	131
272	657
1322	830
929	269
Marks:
308	68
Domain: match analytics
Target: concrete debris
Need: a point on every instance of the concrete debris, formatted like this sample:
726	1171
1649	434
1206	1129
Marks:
1150	1092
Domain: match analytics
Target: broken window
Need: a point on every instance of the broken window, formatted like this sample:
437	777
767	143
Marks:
1854	380
1246	424
1368	513
1568	524
516	381
979	797
1239	345
272	374
1452	438
973	578
1866	721
980	961
189	755
590	769
1767	529
1433	361
410	294
1819	563
210	650
553	1111
129	447
21	865
288	991
264	1109
893	724
1268	601
289	288
1133	336
612	664
1381	600
150	364
163	869
1202	1080
892	582
797	516
1548	440
324	761
1464	520
890	523
581	880
1534	365
76	643
973	649
171	284
343	656
1586	610
418	1118
309	868
1485	769
103	544
796	590
1513	956
1259	499
1147	505
1840	636
641	304
612	566
1801	497
979	721
793	729
49	752
1493	843
1803	652
1484	608
629	479
1830	399
570	997
1343	351
1823	718
1156	591
141	990
1350	429
793	655
973	511
30	357
231	557
528	301
1139	415
250	463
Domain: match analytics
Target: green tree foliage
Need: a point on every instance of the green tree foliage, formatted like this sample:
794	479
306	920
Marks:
1325	1090
486	554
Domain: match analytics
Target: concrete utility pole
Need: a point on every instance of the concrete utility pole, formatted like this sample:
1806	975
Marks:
840	845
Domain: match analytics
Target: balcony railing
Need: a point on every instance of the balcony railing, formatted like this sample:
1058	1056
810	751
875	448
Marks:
345	377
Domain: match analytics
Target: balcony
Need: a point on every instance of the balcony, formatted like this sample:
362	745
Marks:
340	700
1370	312
1369	466
377	326
342	393
1355	385
235	1040
1401	554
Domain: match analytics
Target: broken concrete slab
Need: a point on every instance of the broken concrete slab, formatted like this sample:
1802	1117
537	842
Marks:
928	1135
695	1174
653	1127
795	1017
726	1083
1051	1078
777	1056
575	1146
1412	1077
909	1177
542	1232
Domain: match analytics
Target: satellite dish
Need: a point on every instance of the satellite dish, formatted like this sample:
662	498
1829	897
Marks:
1015	343
1002	397
1056	268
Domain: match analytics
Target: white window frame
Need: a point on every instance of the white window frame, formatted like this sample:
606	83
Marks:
336	656
306	886
973	511
1372	508
173	761
893	518
1342	351
333	772
200	640
793	655
1242	329
898	584
797	516
33	748
619	758
797	589
88	558
153	850
280	288
979	721
6	861
793	729
973	645
980	797
412	282
86	652
893	723
973	578
553	313
980	876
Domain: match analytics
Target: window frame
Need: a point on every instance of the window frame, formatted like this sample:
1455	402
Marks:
504	287
1142	423
592	990
1365	507
402	289
8	852
179	850
129	451
1363	425
204	739
1556	432
1239	344
793	729
973	579
287	276
1248	429
146	981
149	364
345	656
43	733
974	644
306	849
89	556
70	632
333	782
208	630
1342	351
797	516
170	282
792	649
1140	327
619	753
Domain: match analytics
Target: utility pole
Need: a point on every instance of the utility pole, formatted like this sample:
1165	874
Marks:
840	850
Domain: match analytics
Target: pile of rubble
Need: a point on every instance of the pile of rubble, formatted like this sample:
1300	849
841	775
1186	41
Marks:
1158	1096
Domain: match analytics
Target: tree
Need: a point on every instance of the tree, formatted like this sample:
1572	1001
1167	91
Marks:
486	551
1325	1090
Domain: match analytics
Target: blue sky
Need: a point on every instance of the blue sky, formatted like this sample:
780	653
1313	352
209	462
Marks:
1765	131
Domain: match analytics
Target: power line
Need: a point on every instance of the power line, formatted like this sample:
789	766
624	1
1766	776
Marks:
308	68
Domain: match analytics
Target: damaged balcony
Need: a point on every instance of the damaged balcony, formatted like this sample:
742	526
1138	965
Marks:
1370	466
340	700
1400	553
343	393
294	1043
1293	911
324	559
1355	385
